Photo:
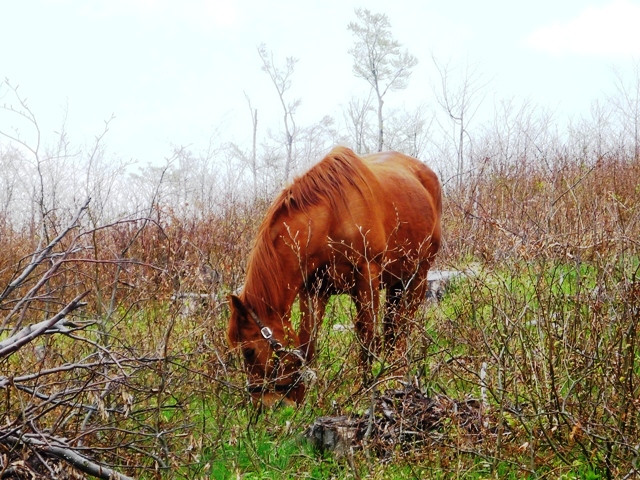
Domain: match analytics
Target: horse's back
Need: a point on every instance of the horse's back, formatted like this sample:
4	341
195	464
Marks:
385	206
408	186
395	169
410	201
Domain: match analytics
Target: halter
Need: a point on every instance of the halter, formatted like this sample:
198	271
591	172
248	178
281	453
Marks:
279	350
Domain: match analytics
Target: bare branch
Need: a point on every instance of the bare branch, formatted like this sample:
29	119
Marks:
27	334
39	258
55	447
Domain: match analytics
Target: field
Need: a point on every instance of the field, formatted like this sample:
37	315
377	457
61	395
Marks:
138	377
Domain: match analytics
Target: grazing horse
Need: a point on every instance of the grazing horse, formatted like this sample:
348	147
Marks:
349	225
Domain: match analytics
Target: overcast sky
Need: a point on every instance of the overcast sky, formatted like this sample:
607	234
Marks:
176	72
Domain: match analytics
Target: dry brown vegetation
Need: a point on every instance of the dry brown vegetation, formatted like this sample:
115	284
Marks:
149	338
137	377
572	209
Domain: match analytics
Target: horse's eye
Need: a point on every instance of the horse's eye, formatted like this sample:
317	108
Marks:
249	354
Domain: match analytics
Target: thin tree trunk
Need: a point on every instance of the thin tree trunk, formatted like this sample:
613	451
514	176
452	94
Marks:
380	124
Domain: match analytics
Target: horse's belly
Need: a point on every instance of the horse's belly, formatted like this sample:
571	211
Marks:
342	277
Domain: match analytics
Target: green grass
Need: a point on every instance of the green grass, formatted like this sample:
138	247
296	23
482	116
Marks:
529	323
555	341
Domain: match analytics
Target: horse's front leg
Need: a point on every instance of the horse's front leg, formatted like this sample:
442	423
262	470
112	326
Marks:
312	308
367	299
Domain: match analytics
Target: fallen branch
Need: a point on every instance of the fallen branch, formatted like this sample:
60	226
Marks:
27	334
55	447
39	258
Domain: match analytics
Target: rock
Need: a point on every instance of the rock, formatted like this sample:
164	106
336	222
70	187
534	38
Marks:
439	281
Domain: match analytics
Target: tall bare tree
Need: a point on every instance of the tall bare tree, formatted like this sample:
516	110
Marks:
358	127
379	59
250	158
460	98
627	105
281	79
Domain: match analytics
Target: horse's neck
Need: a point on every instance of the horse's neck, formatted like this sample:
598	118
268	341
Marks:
272	289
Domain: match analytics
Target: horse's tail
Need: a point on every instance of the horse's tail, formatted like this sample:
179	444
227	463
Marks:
431	183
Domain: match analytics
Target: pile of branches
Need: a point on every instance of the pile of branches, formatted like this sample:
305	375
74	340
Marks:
404	419
33	305
43	456
97	378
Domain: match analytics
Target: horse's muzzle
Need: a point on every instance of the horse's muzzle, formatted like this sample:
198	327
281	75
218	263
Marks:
279	394
271	393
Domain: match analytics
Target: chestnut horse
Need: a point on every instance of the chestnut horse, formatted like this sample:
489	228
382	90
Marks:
349	225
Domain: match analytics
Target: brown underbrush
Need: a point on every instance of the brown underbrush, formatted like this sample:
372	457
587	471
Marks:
138	378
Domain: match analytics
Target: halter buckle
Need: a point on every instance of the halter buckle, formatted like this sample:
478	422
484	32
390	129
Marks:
266	333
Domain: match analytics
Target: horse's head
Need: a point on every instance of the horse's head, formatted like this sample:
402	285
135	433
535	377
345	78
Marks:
272	360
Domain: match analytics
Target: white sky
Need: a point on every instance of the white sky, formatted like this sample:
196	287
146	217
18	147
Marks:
176	72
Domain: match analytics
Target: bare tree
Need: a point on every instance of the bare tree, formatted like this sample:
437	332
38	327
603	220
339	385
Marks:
460	102
315	140
409	131
356	116
281	79
600	133
378	59
627	105
53	180
250	158
254	133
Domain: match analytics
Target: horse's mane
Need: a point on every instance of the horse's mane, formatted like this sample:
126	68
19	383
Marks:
331	180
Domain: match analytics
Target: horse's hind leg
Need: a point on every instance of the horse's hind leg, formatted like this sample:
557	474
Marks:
400	307
391	309
367	298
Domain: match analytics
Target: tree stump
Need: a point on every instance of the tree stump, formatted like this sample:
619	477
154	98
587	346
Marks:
404	418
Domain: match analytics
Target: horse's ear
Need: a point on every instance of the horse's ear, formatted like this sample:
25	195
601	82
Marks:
233	332
237	305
